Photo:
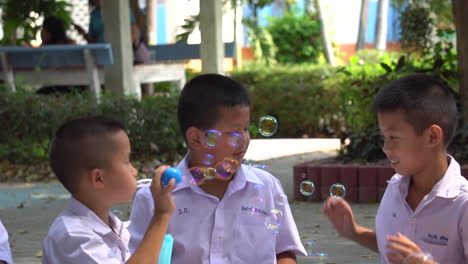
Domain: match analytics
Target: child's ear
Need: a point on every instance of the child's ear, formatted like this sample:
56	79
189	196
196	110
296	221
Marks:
194	138
436	136
97	178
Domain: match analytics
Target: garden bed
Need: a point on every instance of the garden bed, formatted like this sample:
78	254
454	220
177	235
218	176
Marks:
364	183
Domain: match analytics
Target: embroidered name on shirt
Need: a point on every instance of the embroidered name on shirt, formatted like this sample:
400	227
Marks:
436	239
183	211
252	210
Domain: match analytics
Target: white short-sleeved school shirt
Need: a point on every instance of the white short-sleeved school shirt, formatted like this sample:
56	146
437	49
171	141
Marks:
78	235
235	229
5	252
439	225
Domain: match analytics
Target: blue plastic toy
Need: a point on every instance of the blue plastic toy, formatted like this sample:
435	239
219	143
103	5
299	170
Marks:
169	174
166	250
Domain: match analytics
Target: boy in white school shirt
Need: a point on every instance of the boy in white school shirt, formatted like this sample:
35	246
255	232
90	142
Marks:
222	220
425	207
91	158
5	252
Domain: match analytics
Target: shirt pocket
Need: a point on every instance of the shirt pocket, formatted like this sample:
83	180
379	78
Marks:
254	243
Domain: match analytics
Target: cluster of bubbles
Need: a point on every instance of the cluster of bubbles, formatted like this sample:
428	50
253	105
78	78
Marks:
307	188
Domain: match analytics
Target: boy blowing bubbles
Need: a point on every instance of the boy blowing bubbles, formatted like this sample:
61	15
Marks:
91	158
213	222
425	206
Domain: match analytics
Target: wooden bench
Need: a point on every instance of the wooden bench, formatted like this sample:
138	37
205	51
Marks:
56	65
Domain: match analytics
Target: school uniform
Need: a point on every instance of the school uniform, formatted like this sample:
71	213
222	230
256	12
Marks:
5	252
239	228
439	225
78	235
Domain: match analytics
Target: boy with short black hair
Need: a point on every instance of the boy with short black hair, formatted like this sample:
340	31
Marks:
226	218
425	206
91	158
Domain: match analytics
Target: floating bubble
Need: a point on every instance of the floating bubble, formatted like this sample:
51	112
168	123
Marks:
210	138
281	200
273	220
267	126
235	139
208	160
307	188
227	168
259	166
118	213
198	175
309	247
209	173
338	190
418	257
304	176
144	182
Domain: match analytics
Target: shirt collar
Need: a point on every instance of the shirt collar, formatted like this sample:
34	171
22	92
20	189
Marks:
94	222
449	186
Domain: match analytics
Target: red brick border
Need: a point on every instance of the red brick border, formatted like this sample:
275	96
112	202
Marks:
364	184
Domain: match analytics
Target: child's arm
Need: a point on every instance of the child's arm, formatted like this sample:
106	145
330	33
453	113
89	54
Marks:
287	257
340	214
402	249
150	246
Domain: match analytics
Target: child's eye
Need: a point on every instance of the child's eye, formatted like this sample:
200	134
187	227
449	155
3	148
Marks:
393	138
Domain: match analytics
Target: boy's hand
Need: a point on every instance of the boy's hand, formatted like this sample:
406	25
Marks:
163	202
403	250
340	214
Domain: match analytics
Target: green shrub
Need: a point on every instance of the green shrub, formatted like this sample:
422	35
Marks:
296	37
29	121
303	98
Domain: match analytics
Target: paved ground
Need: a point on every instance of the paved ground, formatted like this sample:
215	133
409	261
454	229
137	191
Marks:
27	212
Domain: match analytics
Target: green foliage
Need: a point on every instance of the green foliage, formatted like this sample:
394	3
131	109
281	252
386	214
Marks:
29	121
417	27
20	18
261	41
296	37
365	142
303	98
441	9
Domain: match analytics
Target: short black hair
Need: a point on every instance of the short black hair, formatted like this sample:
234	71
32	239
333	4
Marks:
56	28
80	145
424	99
201	99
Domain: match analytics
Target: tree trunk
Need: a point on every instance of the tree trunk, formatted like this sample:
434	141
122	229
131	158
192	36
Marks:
381	31
460	14
151	26
140	18
361	40
327	47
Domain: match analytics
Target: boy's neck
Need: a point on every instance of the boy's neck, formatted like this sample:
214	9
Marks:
101	210
424	183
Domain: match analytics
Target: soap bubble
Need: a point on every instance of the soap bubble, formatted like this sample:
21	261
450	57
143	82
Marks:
227	168
338	190
210	137
208	160
307	188
267	126
273	220
234	139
